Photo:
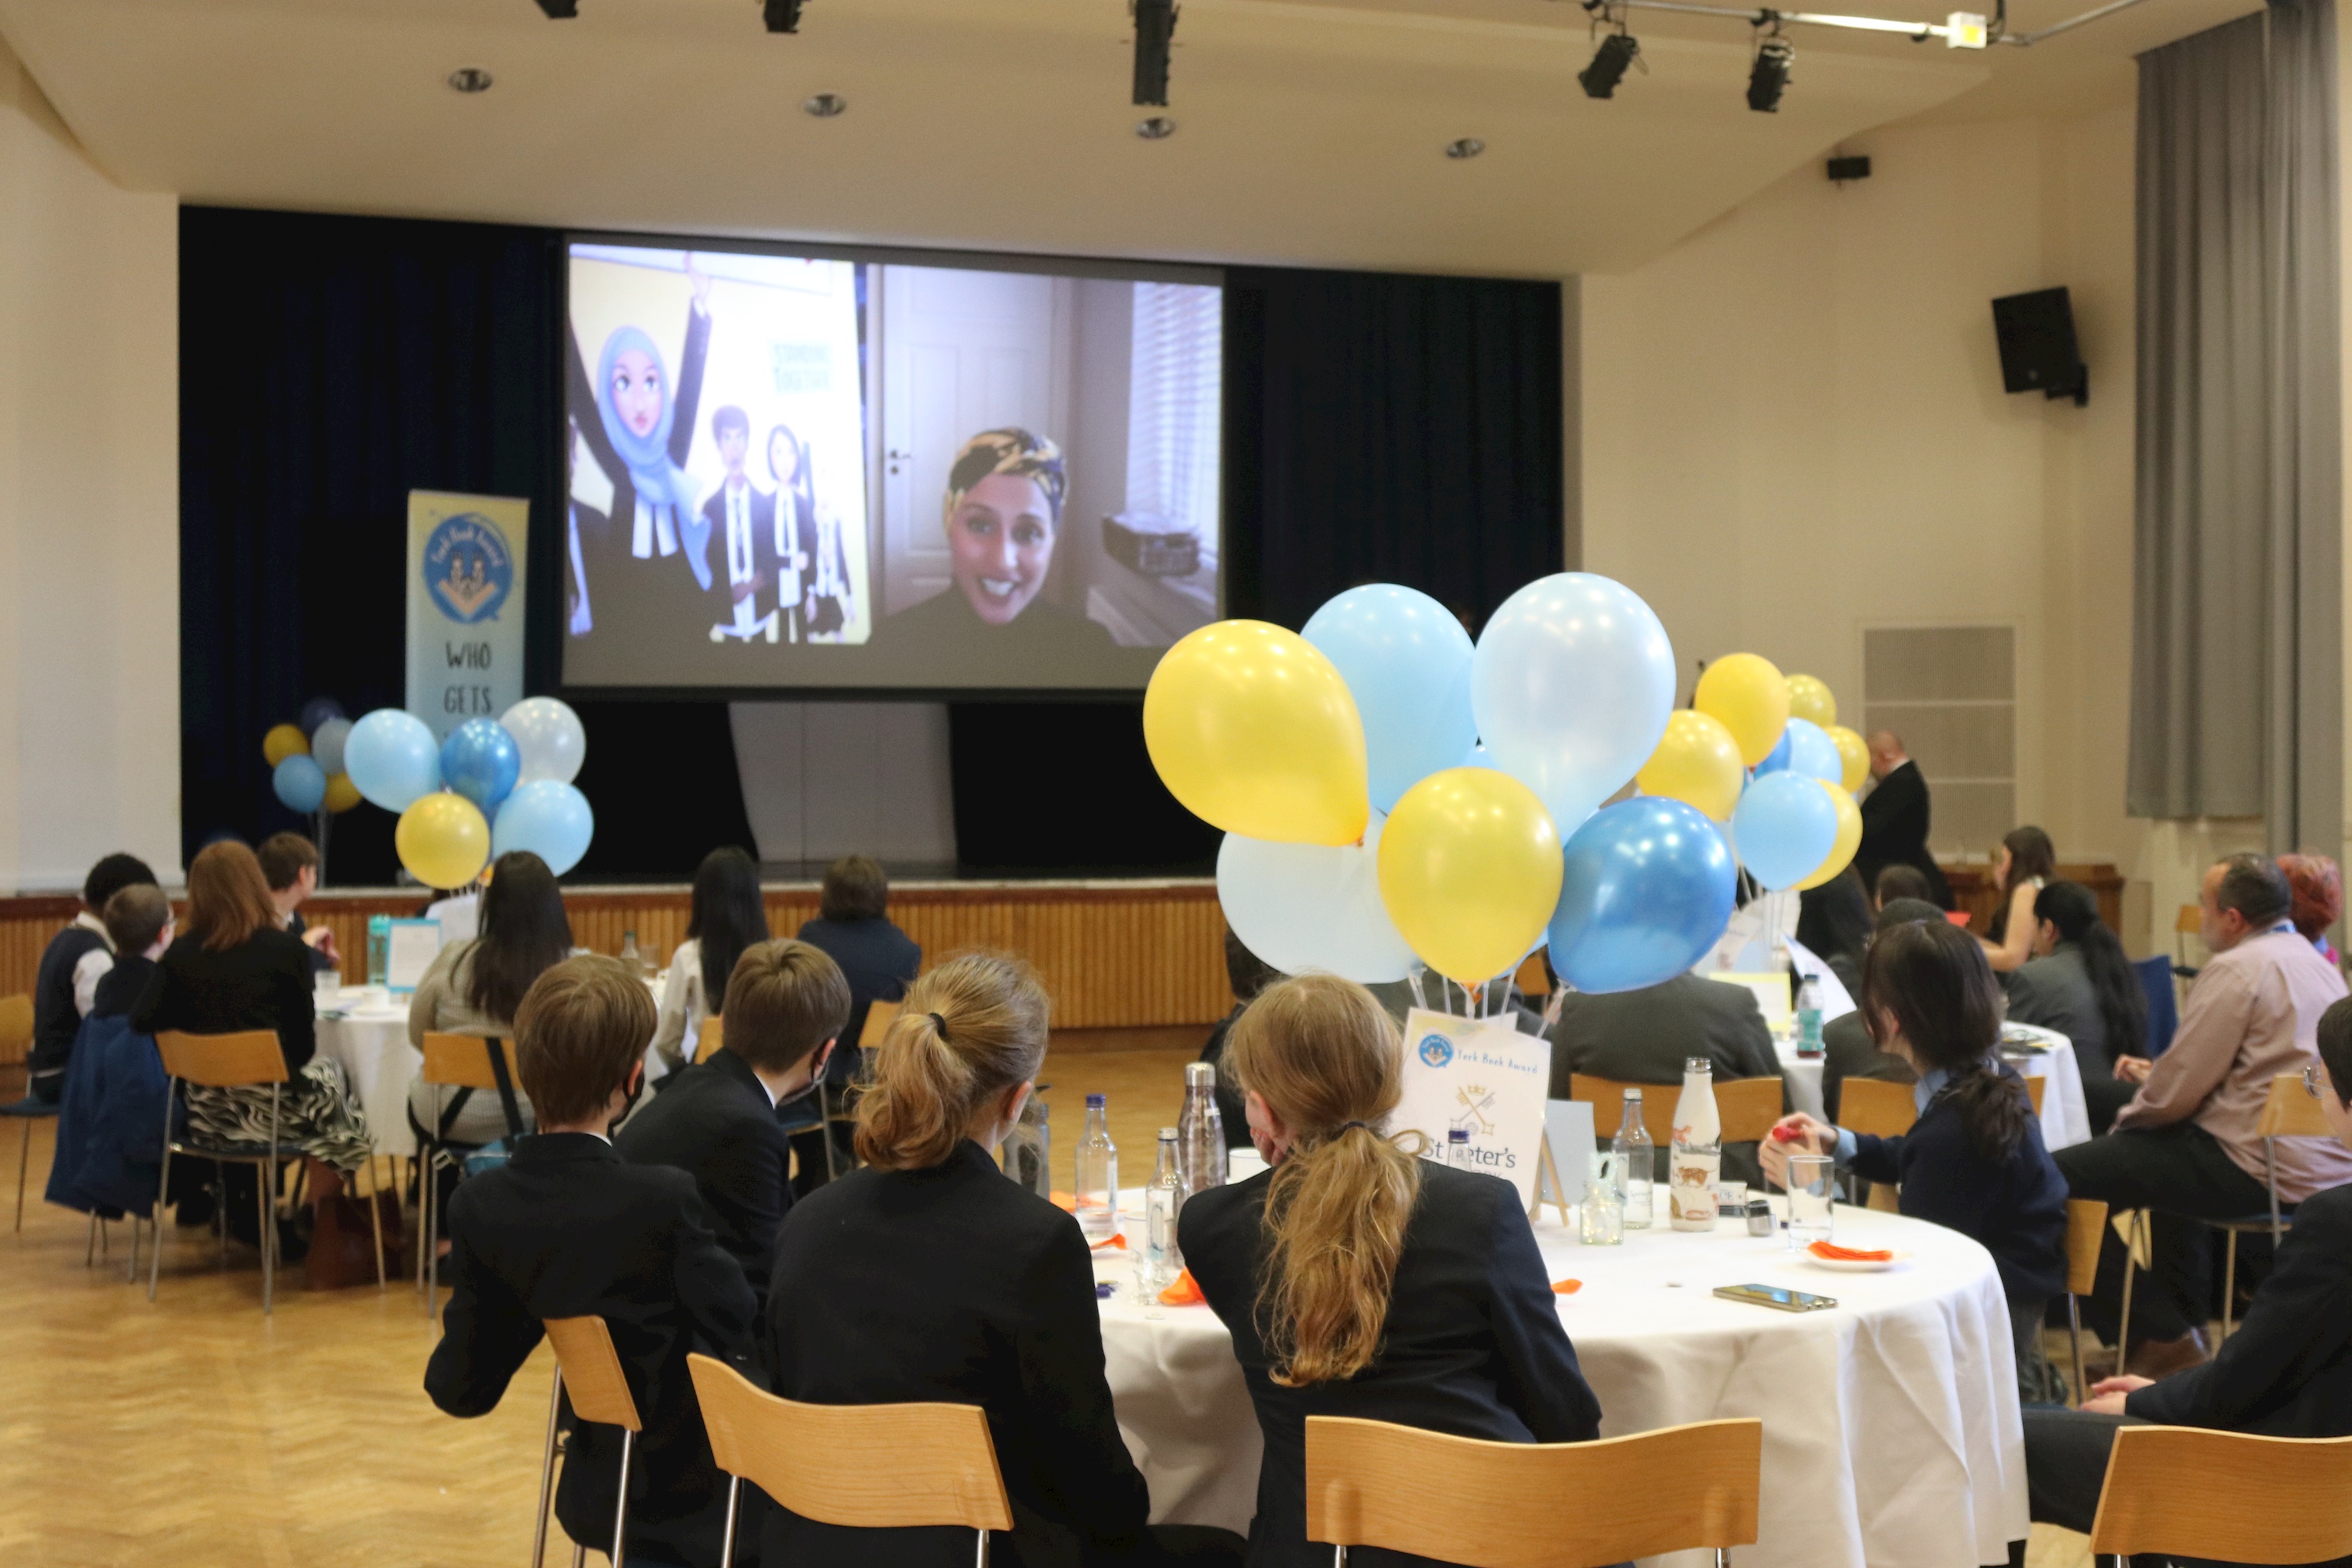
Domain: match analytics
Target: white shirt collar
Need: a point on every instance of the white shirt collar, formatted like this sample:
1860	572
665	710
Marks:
88	922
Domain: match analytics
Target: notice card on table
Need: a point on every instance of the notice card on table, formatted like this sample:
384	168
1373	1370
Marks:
1483	1075
414	945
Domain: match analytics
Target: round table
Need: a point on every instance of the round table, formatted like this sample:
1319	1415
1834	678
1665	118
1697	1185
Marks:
1890	1428
2065	1117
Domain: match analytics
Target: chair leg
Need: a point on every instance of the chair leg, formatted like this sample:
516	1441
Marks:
163	1192
89	1248
621	1503
2075	1338
105	1238
2228	1284
421	1165
24	1161
432	1266
376	1219
547	1471
266	1181
579	1557
727	1541
981	1561
2123	1327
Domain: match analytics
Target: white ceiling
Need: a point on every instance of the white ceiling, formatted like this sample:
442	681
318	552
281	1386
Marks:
1311	132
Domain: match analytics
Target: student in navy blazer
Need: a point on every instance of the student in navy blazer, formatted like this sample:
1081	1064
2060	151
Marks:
1974	1162
1360	1280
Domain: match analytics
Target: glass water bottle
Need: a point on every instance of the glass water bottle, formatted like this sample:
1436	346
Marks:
1635	1158
1162	1260
1098	1173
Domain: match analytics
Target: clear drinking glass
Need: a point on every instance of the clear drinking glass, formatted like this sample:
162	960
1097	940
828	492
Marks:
1602	1219
1098	1173
1812	1199
1161	1261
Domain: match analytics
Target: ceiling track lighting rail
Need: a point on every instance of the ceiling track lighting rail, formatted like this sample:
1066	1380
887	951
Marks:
1960	32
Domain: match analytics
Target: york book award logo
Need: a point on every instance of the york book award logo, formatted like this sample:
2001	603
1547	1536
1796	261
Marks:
469	568
1436	1050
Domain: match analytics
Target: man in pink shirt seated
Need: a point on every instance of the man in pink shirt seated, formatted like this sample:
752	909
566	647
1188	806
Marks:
2186	1148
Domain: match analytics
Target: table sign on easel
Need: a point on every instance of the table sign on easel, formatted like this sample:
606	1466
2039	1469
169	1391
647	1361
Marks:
1483	1076
1566	1163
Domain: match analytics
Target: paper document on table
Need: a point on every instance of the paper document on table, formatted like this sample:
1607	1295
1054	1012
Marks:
1770	990
414	945
1484	1077
1568	1129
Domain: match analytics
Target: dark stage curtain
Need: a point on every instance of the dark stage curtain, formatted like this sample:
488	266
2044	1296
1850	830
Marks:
329	366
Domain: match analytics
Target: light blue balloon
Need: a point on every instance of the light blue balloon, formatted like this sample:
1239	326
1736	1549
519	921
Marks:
1570	685
1812	753
327	743
1647	887
1785	827
553	821
1406	661
481	762
1775	761
301	784
392	758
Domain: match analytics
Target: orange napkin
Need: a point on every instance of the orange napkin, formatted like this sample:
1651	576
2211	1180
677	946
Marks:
1836	1253
1183	1293
1115	1239
1565	1287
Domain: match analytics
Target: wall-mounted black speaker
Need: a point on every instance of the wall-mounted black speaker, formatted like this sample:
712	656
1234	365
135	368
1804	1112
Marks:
2038	352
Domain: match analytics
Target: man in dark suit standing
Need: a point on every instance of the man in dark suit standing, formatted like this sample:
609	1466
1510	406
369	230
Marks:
747	572
786	1006
1895	818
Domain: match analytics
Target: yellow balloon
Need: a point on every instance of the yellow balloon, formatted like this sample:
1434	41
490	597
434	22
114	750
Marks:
1470	870
1254	732
342	793
1747	693
444	840
285	740
1854	753
1849	837
1810	697
1698	763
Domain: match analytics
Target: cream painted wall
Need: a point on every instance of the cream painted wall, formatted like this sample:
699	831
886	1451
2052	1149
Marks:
89	666
1793	426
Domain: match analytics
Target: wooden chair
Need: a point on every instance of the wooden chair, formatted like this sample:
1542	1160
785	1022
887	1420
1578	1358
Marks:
1531	1505
2036	1088
2189	1492
712	1035
451	1061
879	1016
2189	922
587	1363
249	1056
16	1046
2086	1228
818	1459
1883	1109
1747	1108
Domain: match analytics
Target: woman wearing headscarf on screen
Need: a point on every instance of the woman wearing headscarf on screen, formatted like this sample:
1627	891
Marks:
827	603
1003	516
641	432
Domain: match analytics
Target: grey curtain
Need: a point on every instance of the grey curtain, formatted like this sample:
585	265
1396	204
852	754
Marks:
2237	689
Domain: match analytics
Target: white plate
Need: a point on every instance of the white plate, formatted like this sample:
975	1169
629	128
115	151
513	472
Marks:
1848	1266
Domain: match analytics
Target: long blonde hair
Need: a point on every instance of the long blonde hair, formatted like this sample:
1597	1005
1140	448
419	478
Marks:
1328	1061
969	1030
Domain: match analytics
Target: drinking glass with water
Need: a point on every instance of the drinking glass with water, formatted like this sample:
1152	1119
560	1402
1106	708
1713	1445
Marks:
1812	1199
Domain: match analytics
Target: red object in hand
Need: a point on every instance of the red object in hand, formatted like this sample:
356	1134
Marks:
1783	1133
1957	917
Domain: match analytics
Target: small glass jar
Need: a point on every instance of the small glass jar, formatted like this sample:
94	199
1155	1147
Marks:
1601	1217
1760	1216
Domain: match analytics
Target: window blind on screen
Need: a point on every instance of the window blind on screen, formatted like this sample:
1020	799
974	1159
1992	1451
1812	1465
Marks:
1175	407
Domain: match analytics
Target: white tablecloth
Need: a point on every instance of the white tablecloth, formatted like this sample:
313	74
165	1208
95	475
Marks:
1891	1429
2065	1120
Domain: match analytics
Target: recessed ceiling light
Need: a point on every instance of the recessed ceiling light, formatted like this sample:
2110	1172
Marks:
469	79
1467	147
1158	128
825	105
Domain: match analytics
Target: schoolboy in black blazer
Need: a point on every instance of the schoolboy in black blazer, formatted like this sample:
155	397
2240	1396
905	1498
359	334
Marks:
569	1229
786	1006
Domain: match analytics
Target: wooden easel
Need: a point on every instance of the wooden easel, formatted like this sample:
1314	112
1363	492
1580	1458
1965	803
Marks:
1549	1188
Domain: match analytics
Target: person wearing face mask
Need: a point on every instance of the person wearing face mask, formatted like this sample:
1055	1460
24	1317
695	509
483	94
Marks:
717	1119
929	1275
1003	516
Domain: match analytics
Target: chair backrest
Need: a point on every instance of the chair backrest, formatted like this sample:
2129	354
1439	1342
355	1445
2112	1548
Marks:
878	1016
1531	1505
2189	921
1874	1106
15	1030
2086	1228
1748	1107
223	1061
2187	1491
712	1035
463	1062
2163	1007
1607	1098
2290	1110
1534	978
2035	1089
592	1372
818	1459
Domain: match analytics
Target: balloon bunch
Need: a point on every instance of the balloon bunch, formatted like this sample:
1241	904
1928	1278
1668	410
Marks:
492	785
306	760
1391	791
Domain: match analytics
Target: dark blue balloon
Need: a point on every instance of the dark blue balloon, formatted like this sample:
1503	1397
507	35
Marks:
1777	760
481	762
317	712
1647	887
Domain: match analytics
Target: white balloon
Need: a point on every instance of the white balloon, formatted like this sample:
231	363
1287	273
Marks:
1571	684
1313	906
549	735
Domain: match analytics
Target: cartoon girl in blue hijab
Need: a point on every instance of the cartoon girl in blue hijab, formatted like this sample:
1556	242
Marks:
643	431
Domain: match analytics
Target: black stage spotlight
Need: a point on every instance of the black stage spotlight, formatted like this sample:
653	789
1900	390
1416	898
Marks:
1768	77
1155	29
781	16
557	10
1617	51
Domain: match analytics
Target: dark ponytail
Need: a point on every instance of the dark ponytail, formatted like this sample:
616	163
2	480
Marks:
2123	1005
1930	983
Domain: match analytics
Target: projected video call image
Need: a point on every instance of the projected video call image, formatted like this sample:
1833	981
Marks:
790	471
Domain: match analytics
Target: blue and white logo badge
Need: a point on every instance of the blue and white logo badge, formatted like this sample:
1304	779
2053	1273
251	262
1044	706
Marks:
1436	1050
469	568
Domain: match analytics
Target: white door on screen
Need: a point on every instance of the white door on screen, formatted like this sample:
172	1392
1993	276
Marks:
960	353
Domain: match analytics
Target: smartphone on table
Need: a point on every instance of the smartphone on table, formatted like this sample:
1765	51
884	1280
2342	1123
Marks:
1776	1297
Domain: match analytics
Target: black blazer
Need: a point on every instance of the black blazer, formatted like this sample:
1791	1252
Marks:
2287	1370
1472	1345
1848	1051
1644	1037
263	983
1895	818
956	1283
715	1122
2055	993
567	1228
764	559
879	960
